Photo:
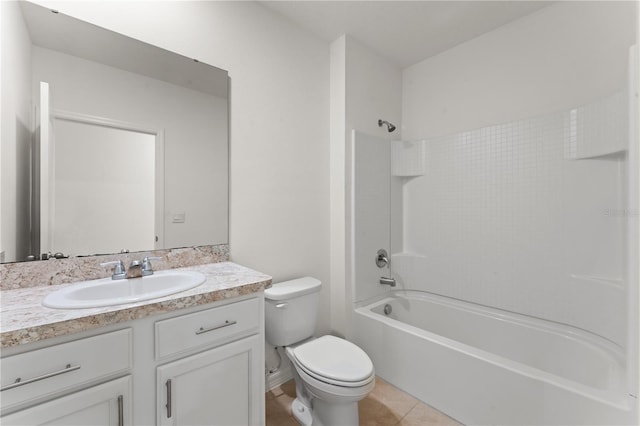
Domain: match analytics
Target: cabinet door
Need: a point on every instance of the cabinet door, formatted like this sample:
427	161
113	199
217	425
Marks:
218	387
108	404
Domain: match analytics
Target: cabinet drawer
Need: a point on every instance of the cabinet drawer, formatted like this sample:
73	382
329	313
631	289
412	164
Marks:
105	404
207	328
47	372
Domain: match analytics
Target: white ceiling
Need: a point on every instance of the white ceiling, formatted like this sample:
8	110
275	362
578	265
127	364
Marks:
405	32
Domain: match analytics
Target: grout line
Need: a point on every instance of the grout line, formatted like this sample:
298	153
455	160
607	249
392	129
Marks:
407	413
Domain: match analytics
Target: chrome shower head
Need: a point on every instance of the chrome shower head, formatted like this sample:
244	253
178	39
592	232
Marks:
390	127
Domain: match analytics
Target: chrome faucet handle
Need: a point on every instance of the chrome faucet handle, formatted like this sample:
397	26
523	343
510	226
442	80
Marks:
382	258
118	270
147	267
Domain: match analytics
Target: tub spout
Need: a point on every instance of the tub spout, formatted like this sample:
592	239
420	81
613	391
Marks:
388	281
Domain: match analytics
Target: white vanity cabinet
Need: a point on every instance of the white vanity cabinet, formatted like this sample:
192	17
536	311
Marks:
198	365
36	378
108	404
215	387
220	386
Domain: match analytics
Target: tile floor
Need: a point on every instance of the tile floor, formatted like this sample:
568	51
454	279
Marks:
386	405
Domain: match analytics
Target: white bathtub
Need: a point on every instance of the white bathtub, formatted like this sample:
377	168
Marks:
485	366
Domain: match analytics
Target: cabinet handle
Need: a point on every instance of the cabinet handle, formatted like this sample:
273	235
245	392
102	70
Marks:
227	323
120	410
168	398
20	382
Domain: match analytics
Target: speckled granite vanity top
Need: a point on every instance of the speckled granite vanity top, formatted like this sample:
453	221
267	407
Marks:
23	319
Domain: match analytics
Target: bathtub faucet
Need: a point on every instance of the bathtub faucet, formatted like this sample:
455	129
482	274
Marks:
388	281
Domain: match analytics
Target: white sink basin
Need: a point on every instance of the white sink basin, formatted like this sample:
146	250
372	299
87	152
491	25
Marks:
108	292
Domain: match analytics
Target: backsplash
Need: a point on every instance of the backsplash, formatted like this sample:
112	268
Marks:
61	271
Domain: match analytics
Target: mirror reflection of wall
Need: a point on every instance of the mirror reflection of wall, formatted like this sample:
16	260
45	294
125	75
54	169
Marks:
104	185
95	73
189	119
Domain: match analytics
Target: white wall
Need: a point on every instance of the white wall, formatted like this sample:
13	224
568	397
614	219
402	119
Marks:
364	88
561	56
337	185
15	132
373	91
193	125
505	216
634	203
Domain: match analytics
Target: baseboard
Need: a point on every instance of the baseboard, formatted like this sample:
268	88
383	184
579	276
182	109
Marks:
279	377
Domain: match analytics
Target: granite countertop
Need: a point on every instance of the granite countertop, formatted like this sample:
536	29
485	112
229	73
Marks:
23	319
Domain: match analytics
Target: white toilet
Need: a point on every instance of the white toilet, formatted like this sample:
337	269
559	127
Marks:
331	374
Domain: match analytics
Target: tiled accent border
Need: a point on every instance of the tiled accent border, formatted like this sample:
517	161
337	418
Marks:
62	271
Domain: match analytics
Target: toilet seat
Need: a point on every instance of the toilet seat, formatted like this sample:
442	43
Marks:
334	361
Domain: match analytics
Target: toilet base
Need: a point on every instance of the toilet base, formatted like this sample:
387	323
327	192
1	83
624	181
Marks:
327	414
301	412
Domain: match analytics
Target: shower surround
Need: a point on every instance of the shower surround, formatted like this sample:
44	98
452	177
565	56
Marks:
515	194
506	242
522	216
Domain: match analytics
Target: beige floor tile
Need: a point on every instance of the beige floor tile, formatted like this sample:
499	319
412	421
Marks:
289	388
395	400
284	402
277	415
374	413
386	405
423	415
273	393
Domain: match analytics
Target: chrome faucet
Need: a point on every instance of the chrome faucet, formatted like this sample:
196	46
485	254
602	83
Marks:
118	270
135	269
147	268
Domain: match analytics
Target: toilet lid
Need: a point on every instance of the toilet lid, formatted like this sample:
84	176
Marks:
330	357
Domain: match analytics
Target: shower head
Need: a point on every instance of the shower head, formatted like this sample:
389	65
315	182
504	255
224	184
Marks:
390	127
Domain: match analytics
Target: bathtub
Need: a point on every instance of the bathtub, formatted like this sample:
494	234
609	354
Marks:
486	366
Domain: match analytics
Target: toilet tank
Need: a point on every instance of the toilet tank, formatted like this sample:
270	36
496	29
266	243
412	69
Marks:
291	310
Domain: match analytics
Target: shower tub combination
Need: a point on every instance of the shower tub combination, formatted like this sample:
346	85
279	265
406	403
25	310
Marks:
486	366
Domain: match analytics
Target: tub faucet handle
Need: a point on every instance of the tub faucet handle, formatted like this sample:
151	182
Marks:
382	258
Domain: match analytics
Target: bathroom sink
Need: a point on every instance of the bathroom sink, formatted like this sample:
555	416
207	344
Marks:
108	292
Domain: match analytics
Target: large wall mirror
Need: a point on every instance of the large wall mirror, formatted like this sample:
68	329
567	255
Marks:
127	143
